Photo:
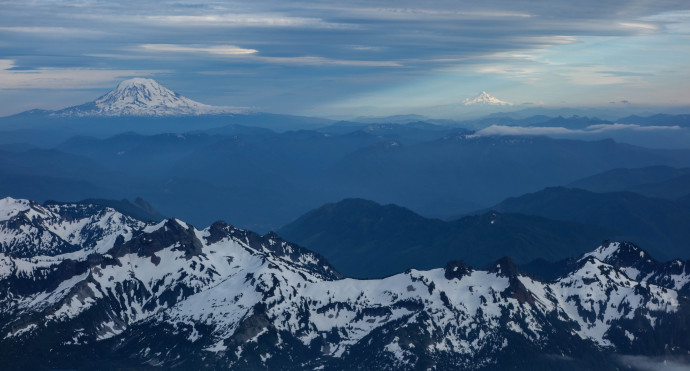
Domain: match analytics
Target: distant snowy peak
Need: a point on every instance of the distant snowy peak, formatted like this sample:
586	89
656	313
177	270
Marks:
143	97
485	99
146	95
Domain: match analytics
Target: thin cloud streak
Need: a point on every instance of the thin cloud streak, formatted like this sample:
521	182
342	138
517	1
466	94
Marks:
320	61
53	30
230	50
243	20
220	50
422	14
62	78
503	130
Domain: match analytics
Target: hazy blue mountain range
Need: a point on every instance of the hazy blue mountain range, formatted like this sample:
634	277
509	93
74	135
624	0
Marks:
263	179
660	226
656	181
206	164
365	239
658	119
446	174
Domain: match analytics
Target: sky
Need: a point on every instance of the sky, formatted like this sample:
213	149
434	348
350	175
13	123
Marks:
329	58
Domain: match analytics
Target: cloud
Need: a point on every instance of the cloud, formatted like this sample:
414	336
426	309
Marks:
220	50
363	47
640	25
642	363
52	31
496	130
677	22
320	61
6	64
242	20
606	127
14	78
504	130
421	14
229	50
625	73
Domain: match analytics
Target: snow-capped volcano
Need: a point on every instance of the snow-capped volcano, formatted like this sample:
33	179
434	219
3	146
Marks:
485	99
143	97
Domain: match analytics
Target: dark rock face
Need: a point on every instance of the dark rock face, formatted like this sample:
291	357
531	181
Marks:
171	233
456	270
505	267
516	289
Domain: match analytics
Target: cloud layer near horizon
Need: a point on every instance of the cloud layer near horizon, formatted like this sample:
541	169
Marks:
559	130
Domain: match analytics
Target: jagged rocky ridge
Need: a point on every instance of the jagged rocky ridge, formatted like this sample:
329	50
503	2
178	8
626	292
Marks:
168	295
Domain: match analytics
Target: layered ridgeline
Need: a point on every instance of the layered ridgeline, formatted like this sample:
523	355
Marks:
653	181
367	240
87	287
660	225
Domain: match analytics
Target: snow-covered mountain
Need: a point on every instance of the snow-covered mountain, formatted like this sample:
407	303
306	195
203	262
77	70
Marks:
143	97
170	295
640	266
485	99
28	229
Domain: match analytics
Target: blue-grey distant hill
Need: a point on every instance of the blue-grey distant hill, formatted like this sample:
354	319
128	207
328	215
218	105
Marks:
262	179
658	225
365	239
655	181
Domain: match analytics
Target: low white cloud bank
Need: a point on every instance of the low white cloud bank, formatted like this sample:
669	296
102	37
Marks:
558	130
642	363
62	78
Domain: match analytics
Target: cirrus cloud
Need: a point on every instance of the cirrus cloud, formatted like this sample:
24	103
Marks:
220	49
